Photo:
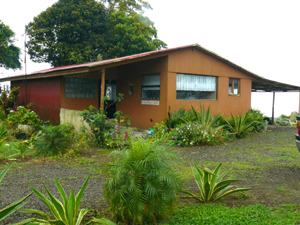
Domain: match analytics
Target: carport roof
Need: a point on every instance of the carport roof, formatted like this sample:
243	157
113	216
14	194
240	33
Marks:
258	83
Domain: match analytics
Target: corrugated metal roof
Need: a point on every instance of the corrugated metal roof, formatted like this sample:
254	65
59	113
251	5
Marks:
258	82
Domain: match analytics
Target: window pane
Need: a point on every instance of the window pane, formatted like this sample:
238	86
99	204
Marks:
151	86
196	95
186	82
236	87
230	86
150	80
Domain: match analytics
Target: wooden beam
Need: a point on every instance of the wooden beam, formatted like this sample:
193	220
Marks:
102	88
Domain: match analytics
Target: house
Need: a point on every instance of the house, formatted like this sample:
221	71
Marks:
151	82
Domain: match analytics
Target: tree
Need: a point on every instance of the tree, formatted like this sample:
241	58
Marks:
69	32
9	53
131	34
78	31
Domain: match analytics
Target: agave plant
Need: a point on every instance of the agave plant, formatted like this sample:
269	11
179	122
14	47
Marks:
15	205
241	125
176	118
65	213
205	118
211	185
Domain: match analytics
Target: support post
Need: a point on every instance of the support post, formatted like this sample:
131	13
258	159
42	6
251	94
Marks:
102	88
299	104
273	107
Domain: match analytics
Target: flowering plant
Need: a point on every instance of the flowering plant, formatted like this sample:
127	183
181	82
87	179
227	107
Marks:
193	134
115	138
24	116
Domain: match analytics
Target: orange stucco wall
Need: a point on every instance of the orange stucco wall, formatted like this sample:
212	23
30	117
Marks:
187	61
195	62
142	116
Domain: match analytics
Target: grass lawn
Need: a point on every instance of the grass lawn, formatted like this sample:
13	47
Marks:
268	162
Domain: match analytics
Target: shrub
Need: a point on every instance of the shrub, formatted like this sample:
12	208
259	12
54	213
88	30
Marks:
96	119
52	140
8	99
115	138
143	182
24	116
211	185
3	134
193	134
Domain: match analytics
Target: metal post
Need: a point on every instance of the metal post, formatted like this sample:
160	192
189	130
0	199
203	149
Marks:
273	107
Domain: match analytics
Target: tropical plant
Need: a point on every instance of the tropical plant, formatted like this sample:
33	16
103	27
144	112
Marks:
3	134
15	205
66	212
211	185
176	118
96	119
241	125
23	115
142	181
205	118
115	138
193	134
52	140
8	100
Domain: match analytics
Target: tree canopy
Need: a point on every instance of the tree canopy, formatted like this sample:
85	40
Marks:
78	31
9	53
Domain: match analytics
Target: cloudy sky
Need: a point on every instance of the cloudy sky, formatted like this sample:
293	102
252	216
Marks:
261	36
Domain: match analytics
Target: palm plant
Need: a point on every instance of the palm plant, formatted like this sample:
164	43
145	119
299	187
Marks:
15	205
211	185
66	212
3	134
143	182
205	118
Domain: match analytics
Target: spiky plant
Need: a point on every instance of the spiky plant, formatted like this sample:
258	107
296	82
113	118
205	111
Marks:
241	125
211	185
143	181
205	118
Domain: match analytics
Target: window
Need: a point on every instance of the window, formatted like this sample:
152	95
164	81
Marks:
196	87
80	88
233	87
151	86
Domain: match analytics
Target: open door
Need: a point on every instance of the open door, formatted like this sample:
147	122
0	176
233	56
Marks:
111	92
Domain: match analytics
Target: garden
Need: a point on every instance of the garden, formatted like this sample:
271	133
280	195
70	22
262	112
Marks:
192	168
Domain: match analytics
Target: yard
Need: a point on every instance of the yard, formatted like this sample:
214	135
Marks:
268	162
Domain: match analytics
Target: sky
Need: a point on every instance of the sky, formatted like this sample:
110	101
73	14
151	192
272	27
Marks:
261	36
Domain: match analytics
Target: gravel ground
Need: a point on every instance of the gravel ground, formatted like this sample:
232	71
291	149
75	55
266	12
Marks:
73	173
16	184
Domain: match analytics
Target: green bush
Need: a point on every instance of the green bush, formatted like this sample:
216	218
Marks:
211	185
205	118
142	181
115	138
97	120
193	134
176	118
8	99
24	116
52	140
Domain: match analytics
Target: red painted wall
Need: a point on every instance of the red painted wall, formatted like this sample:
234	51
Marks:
44	95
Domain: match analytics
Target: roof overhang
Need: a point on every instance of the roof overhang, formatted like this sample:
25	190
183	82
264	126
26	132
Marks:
258	83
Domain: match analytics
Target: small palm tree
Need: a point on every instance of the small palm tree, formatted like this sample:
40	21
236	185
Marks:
143	182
